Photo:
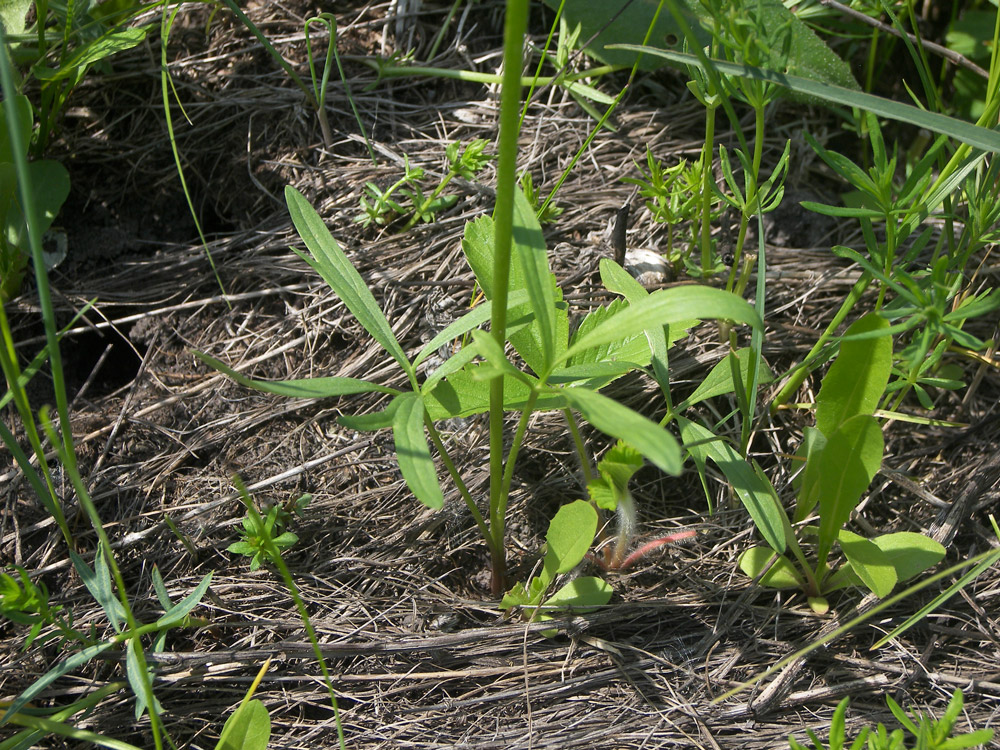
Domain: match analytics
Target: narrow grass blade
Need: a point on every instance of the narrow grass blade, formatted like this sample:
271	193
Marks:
331	263
413	453
303	388
973	135
64	667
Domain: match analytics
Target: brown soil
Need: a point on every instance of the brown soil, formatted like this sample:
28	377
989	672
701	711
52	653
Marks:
422	657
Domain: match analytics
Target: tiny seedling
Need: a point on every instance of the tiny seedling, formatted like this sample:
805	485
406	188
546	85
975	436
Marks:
928	733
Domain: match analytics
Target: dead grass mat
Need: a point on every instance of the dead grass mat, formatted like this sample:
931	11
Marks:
421	657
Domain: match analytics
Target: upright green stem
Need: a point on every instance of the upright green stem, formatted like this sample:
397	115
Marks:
515	25
798	373
706	191
758	151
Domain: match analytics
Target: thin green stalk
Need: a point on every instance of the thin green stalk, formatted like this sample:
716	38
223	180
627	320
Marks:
347	86
463	489
798	373
19	147
515	26
472	76
133	635
581	449
707	153
758	153
274	554
166	83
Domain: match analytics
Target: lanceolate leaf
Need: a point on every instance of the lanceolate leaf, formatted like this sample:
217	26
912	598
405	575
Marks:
303	388
910	553
856	381
847	465
248	728
330	262
412	452
668	307
781	575
176	614
538	280
719	380
611	418
751	487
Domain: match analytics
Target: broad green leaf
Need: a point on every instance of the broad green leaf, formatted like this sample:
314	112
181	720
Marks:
620	463
869	563
477	244
516	597
909	553
847	465
616	279
412	452
538	280
631	349
603	494
781	575
466	392
332	264
750	486
140	684
176	614
674	306
571	532
303	388
248	728
719	380
12	14
973	135
378	420
596	374
580	594
618	421
857	379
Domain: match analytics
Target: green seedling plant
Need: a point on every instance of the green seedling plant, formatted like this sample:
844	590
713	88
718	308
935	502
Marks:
547	213
672	198
841	455
927	732
380	208
264	540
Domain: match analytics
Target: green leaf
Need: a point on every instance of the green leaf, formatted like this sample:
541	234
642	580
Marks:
332	264
378	420
412	452
98	583
618	421
965	132
12	14
674	306
857	379
571	532
813	441
750	485
631	349
139	683
176	614
303	388
620	464
580	594
847	465
467	392
909	553
477	244
248	728
719	380
538	280
870	564
781	575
